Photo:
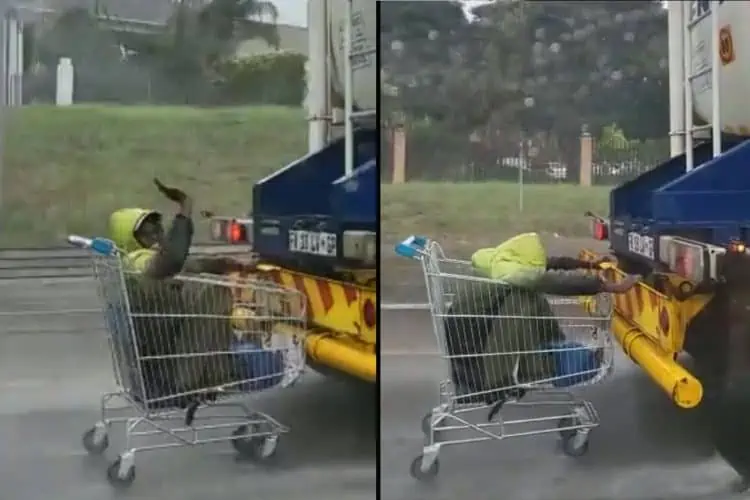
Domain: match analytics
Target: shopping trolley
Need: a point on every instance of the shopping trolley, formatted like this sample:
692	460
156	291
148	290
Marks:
184	352
525	382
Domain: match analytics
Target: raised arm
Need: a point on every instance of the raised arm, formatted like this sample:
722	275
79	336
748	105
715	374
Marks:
174	248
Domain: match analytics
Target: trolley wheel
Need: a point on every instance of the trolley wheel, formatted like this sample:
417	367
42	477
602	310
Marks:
95	445
259	448
417	473
572	447
564	425
118	478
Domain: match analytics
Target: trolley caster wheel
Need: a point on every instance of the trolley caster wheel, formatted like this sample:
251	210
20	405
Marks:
95	441
564	425
119	477
253	447
572	446
417	473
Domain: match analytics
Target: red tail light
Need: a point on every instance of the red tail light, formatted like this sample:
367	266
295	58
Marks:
369	314
600	230
683	264
236	233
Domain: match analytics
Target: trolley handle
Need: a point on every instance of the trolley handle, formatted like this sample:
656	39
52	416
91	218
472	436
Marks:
98	245
412	247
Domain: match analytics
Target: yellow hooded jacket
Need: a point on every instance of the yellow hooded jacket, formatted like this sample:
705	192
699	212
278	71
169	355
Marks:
122	227
521	260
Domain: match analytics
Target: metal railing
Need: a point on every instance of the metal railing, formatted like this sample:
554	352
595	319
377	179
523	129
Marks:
67	262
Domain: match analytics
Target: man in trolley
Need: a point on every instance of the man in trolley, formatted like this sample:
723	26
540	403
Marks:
515	316
175	340
510	322
161	254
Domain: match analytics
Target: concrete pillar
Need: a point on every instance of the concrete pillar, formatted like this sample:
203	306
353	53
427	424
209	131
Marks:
587	153
65	85
398	136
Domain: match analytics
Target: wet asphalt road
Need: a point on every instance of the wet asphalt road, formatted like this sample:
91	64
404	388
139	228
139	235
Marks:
53	368
645	448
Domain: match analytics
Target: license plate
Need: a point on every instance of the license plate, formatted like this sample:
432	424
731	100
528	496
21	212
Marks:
313	243
641	245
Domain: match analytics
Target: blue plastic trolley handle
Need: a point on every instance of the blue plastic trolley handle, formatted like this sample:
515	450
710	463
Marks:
412	247
101	246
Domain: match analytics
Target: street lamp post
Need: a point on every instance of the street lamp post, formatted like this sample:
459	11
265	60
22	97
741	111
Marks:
524	145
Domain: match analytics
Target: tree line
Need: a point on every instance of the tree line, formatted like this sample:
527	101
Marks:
522	68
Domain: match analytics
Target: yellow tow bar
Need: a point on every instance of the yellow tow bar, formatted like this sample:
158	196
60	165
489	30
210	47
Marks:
339	351
681	386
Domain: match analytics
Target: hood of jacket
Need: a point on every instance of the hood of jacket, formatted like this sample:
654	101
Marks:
518	261
124	223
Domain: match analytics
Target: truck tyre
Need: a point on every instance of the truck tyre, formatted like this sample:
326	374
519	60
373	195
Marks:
731	426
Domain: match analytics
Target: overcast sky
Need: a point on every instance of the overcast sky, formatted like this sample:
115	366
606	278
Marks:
293	12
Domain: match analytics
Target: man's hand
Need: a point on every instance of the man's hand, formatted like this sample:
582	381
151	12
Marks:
248	266
176	195
623	285
603	259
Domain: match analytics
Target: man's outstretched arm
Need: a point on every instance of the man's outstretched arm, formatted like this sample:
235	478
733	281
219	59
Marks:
579	284
216	265
572	264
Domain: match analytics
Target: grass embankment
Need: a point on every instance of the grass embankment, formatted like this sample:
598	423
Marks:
66	169
475	214
465	217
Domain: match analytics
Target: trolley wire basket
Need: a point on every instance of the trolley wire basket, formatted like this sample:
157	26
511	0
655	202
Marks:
511	351
186	353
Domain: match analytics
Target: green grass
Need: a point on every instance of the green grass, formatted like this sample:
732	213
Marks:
474	214
66	169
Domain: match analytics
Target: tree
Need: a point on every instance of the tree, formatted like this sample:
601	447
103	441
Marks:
415	53
540	66
198	38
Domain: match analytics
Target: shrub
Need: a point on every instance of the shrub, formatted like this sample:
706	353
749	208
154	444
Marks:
273	78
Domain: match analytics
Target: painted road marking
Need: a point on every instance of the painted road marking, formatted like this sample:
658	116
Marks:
405	307
43	312
406	352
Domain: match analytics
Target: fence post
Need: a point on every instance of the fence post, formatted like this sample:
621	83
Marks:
399	154
587	150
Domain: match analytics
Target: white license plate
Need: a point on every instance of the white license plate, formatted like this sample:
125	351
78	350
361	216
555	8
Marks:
313	243
641	245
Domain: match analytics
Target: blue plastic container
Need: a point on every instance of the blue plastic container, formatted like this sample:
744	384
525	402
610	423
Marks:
575	363
263	367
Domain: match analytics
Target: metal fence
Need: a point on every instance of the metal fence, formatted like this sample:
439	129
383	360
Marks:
68	262
458	159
